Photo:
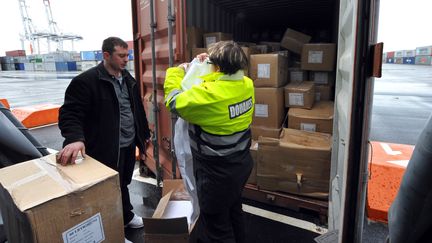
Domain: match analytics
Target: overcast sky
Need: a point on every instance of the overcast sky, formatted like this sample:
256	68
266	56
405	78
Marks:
402	25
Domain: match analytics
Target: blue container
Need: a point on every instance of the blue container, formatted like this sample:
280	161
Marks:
98	55
408	60
131	54
61	66
88	56
390	60
19	66
72	66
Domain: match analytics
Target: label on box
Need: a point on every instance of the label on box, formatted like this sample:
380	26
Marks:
315	57
263	70
210	40
88	231
308	127
261	110
296	99
317	96
321	78
296	76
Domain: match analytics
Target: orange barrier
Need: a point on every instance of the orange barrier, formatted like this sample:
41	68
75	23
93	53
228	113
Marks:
386	170
5	103
38	115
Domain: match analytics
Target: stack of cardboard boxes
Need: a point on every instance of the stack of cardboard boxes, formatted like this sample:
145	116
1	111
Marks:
293	117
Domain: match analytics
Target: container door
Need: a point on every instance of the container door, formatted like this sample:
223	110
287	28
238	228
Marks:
158	116
353	101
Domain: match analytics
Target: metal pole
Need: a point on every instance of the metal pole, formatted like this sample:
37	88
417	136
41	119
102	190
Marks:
171	19
155	139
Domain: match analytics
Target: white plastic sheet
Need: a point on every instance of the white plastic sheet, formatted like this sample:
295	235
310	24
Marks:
181	136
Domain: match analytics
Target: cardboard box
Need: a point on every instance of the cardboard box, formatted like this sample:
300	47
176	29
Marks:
269	70
210	38
322	78
254	153
248	52
294	40
264	131
194	40
300	94
171	219
318	57
324	93
318	119
298	162
42	201
297	75
269	107
273	46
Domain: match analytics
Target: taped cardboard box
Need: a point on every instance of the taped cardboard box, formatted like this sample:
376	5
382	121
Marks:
297	75
322	78
253	151
42	201
324	93
211	38
300	94
318	57
269	70
171	221
264	131
248	52
294	40
318	119
298	163
269	107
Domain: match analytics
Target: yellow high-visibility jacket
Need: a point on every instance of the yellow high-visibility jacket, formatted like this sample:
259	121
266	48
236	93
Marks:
222	106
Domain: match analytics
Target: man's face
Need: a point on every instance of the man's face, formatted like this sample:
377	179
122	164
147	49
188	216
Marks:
118	59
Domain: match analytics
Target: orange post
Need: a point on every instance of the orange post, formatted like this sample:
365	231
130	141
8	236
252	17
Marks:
37	115
386	168
5	103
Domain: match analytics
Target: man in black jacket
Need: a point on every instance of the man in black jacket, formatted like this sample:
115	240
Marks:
103	116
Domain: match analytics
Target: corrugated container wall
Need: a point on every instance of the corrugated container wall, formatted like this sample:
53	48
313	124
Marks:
409	53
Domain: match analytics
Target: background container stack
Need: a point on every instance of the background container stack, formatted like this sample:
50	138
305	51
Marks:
423	55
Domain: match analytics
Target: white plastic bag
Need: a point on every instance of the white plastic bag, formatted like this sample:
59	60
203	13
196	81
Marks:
181	136
194	72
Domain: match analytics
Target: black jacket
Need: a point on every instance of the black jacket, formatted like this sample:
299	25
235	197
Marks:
91	114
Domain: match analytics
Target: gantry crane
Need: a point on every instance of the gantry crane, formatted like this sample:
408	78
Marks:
31	34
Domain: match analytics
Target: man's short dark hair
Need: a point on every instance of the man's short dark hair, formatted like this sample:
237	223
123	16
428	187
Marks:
111	42
228	56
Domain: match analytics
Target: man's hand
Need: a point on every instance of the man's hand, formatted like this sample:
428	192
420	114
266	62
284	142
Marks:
69	153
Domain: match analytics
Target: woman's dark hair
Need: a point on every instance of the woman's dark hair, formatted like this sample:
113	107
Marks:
111	42
228	56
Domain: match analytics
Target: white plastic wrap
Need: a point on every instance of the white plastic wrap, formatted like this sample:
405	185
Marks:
181	136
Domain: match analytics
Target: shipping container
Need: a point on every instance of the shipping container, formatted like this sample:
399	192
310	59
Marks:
408	60
16	53
399	54
390	60
131	54
409	53
49	66
19	66
20	59
72	66
85	65
6	59
423	60
88	56
390	54
424	51
8	66
39	66
398	60
98	55
159	44
61	66
28	66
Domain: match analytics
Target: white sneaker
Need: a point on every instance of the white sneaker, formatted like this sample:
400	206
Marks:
128	241
135	223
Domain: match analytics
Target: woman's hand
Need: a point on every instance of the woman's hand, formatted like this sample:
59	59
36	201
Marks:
201	57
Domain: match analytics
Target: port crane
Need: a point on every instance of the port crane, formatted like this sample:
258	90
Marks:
52	35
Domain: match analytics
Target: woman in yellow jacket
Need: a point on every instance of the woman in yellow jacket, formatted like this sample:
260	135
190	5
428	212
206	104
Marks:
219	111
